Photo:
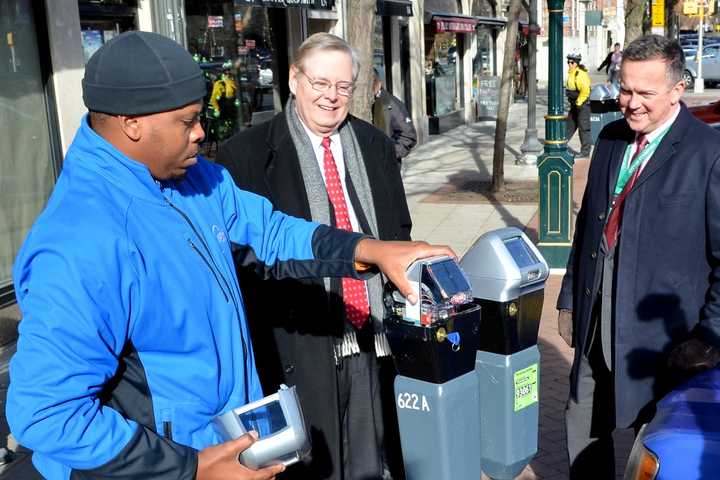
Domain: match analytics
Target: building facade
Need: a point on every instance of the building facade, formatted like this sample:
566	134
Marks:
430	54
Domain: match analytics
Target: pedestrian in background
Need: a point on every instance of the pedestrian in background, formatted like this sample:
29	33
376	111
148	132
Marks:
318	162
133	333
640	301
391	116
611	64
577	90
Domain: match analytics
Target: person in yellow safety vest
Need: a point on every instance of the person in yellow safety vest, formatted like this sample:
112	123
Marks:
223	105
223	88
577	89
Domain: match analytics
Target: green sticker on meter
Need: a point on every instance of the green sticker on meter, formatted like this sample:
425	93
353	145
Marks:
526	386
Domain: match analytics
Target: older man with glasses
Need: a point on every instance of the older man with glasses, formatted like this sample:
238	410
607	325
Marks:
318	162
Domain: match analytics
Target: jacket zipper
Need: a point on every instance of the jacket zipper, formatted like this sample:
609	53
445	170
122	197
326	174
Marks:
215	274
218	275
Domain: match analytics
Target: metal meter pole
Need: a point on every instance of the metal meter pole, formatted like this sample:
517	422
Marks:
555	165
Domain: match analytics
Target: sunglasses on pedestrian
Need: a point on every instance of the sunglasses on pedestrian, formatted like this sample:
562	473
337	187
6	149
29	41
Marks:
572	62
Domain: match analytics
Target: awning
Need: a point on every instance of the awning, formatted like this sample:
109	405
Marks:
394	8
316	4
492	22
454	23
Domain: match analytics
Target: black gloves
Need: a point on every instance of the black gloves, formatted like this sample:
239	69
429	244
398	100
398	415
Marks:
693	356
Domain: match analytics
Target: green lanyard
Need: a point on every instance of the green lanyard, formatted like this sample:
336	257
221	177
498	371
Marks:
627	170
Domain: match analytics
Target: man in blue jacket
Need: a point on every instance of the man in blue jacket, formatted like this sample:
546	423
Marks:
133	334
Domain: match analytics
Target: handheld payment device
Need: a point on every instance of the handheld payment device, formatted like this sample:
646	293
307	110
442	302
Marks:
278	420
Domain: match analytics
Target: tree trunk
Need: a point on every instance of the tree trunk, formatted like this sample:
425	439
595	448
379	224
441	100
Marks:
360	32
498	173
634	14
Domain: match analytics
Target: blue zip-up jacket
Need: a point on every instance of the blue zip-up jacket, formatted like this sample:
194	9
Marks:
133	334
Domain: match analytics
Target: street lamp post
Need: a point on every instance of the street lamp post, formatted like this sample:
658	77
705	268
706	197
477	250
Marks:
531	147
555	165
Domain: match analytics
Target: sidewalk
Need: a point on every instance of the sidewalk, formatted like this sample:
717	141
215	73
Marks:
434	175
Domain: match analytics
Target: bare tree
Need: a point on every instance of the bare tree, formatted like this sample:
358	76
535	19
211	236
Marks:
360	30
498	174
634	16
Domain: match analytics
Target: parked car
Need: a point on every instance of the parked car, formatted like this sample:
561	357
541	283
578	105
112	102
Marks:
683	439
709	114
710	66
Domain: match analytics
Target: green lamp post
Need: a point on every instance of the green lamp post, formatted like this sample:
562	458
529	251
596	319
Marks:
555	165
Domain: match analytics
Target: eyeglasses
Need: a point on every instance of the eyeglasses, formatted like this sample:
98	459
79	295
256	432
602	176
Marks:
342	88
571	62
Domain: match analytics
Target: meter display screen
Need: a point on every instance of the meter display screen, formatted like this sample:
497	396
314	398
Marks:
520	252
266	420
449	277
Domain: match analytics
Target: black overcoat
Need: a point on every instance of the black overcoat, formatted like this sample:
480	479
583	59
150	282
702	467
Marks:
294	323
667	272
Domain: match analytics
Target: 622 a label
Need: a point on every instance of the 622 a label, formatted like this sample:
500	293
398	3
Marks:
413	401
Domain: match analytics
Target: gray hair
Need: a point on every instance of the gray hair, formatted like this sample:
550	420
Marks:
651	47
326	41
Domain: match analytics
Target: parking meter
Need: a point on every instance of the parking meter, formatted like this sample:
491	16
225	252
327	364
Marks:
507	274
279	423
434	345
604	108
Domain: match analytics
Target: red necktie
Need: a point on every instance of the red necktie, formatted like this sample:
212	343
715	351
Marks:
355	294
612	227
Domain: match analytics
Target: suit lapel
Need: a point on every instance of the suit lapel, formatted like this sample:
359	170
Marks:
666	149
617	155
283	175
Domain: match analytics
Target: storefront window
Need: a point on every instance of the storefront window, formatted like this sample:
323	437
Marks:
236	47
102	20
26	166
441	73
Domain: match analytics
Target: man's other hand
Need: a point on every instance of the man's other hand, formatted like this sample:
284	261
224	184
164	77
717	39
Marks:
393	259
693	355
220	462
565	325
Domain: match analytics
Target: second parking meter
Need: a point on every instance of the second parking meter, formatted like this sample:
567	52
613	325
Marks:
507	274
434	344
604	108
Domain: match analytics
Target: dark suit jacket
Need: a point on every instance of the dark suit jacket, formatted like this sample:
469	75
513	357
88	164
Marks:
667	267
294	323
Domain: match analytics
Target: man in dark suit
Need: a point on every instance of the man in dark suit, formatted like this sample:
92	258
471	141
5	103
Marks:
391	117
317	162
641	297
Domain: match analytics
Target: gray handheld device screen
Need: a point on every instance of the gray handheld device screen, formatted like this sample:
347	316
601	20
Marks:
278	420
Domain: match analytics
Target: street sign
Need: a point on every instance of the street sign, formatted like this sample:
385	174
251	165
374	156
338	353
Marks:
658	13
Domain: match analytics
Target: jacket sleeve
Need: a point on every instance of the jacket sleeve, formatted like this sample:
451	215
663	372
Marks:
285	246
709	326
565	297
582	83
403	130
75	305
606	63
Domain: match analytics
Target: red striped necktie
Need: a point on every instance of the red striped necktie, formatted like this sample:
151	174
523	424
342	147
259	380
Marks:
355	296
612	227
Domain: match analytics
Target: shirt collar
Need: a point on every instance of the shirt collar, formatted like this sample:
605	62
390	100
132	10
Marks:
316	140
655	133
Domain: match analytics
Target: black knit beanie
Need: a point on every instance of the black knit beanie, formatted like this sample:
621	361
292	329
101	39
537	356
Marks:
141	72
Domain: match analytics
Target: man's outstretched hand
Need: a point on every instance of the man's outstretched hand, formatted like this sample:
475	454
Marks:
220	462
393	259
